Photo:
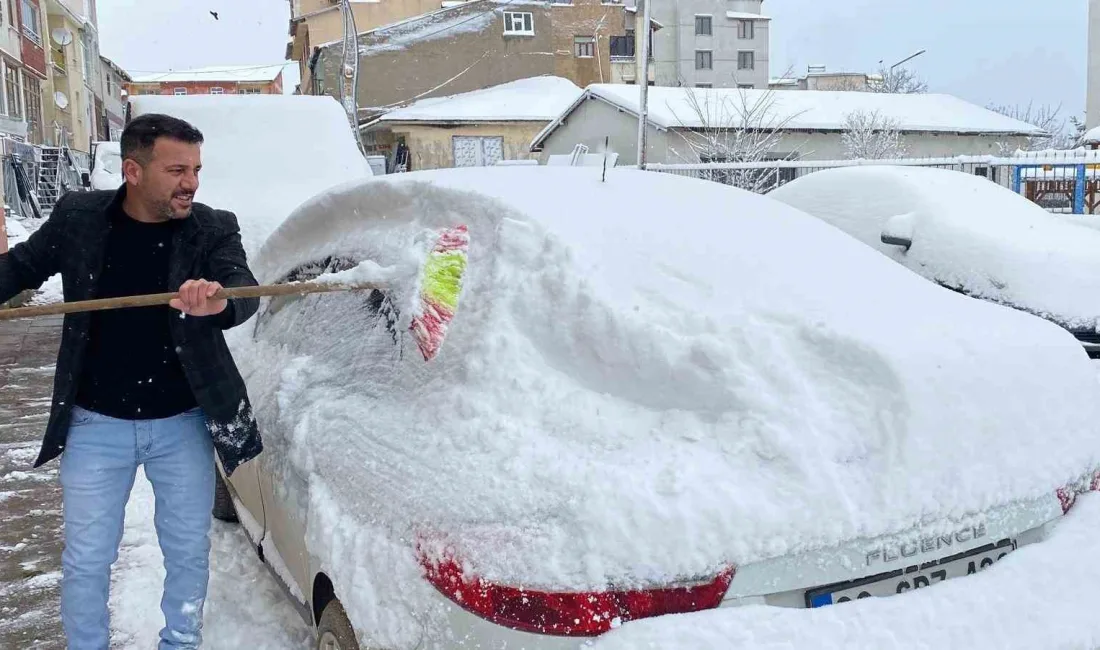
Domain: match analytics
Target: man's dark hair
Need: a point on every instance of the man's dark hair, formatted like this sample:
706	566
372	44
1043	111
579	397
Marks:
142	132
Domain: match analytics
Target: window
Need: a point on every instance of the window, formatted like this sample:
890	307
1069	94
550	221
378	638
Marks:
248	91
704	85
32	99
179	91
30	21
519	22
216	90
746	29
584	47
704	60
746	86
477	151
746	60
704	26
11	90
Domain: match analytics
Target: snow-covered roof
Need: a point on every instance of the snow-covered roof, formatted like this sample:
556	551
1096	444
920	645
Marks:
1092	136
215	73
744	15
817	110
537	99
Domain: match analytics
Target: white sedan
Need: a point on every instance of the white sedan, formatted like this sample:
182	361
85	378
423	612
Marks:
658	395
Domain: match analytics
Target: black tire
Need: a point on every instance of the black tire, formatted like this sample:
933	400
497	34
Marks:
335	626
224	510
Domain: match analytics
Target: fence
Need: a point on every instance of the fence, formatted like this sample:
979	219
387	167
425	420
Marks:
1060	181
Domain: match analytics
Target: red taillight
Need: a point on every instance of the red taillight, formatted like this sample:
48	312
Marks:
569	613
1067	495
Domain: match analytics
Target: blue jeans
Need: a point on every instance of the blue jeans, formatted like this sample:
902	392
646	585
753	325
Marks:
98	467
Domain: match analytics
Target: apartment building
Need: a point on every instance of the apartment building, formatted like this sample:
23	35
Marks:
711	43
23	70
73	100
219	80
314	22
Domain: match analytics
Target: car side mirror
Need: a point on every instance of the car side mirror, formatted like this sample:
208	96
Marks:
898	231
85	179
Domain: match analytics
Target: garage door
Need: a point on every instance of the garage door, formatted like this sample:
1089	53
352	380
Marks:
472	151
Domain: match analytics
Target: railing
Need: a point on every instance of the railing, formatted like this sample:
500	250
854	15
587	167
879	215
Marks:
1060	181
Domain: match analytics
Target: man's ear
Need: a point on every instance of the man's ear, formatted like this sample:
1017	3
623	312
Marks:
131	170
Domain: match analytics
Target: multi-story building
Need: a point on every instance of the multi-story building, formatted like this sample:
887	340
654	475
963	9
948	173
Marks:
314	22
221	80
23	69
113	83
711	43
73	104
474	45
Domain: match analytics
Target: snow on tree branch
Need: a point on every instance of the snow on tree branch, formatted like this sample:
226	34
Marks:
1049	119
897	80
870	136
736	127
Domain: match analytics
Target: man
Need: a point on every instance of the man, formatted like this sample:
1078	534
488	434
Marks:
151	386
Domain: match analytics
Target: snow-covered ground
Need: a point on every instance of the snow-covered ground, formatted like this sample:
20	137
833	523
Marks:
245	607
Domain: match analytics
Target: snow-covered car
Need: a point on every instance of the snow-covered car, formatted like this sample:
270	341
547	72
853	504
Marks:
106	171
658	395
968	234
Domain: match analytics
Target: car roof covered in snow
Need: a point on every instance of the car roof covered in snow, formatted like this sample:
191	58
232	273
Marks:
968	233
650	377
263	155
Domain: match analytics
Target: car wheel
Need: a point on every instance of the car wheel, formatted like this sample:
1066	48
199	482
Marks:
224	510
334	631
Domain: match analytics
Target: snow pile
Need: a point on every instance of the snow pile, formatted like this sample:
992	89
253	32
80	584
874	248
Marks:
265	154
16	231
1042	596
107	167
539	99
646	378
671	108
968	233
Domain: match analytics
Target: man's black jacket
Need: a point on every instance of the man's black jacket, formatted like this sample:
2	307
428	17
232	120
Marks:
207	245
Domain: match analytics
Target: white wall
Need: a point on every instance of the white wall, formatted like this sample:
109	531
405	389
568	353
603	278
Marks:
1092	117
594	119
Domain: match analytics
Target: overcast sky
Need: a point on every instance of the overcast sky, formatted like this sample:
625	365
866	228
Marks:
1003	51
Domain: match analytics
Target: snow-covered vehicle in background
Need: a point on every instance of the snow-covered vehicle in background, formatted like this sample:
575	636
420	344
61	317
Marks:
106	172
968	234
659	395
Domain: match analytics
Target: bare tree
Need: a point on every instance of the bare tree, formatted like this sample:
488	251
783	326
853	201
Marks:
897	80
868	135
733	126
1046	117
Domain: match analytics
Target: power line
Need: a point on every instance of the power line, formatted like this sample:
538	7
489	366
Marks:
214	69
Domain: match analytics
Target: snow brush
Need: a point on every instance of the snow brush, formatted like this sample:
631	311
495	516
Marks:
437	290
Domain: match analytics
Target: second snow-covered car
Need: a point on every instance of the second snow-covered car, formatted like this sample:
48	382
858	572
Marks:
658	395
968	234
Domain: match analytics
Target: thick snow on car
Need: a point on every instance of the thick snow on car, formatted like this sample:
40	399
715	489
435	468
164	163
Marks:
968	234
106	171
658	395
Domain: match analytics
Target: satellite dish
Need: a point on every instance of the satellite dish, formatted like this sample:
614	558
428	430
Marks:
62	36
60	100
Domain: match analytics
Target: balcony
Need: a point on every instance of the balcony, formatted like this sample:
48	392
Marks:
622	48
58	60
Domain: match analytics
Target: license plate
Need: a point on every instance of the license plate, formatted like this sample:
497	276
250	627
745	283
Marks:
913	577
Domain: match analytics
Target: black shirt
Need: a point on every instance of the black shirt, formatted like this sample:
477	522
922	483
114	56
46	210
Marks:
131	369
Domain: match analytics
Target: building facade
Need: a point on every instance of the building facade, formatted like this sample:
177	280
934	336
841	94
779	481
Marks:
221	80
479	44
315	22
73	98
113	81
23	68
711	43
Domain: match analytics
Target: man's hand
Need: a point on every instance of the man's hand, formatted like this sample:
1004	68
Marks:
195	299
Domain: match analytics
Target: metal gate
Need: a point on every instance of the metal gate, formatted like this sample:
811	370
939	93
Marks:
477	151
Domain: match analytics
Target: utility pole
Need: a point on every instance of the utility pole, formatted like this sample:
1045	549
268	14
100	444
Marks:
349	77
641	51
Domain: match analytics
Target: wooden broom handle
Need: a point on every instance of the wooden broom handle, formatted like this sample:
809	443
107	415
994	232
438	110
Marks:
150	300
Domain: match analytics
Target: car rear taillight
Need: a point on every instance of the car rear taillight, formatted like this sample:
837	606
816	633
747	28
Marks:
1067	495
588	613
